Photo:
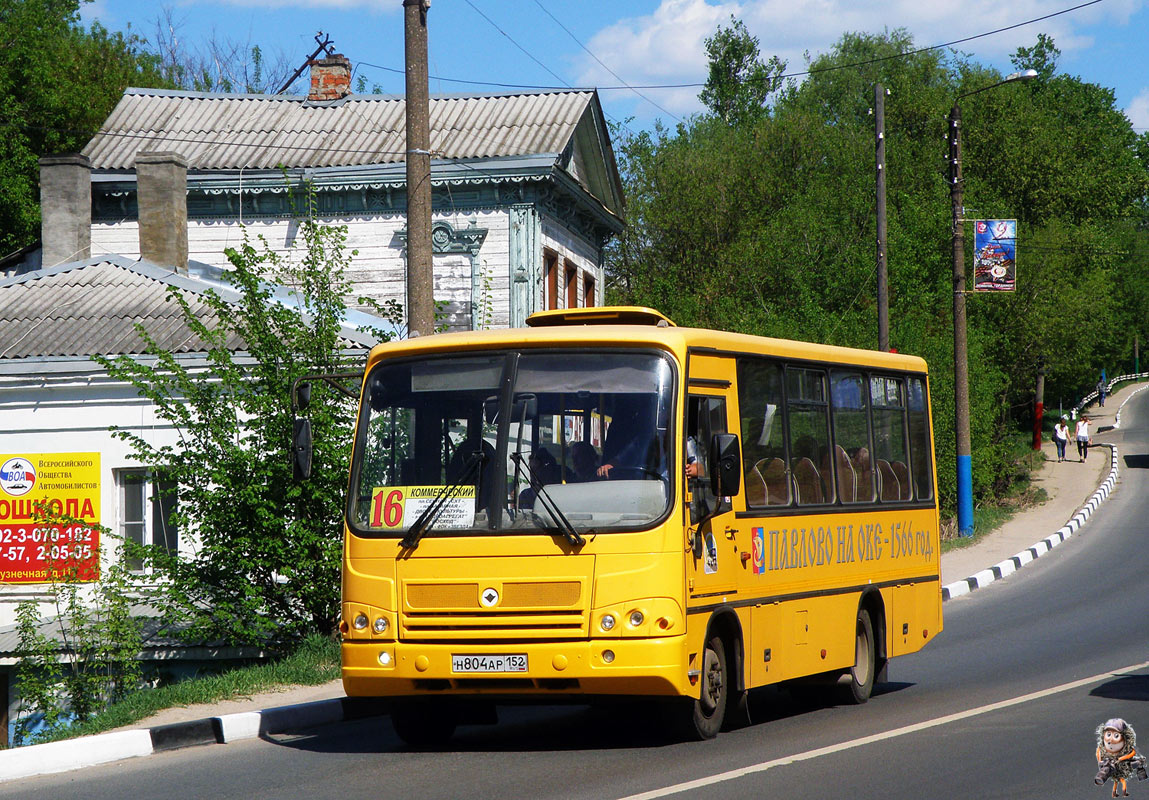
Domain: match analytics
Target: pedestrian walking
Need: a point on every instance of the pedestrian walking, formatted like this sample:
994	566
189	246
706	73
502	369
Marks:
1061	437
1083	439
1101	392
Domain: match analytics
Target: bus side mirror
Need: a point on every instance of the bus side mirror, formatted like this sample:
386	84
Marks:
301	450
725	465
302	396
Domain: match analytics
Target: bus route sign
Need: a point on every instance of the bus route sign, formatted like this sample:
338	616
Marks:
397	507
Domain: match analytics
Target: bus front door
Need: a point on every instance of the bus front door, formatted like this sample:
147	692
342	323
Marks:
712	528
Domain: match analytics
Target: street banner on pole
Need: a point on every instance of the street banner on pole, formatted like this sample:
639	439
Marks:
994	255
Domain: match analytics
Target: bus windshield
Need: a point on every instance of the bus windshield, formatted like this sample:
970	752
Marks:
513	442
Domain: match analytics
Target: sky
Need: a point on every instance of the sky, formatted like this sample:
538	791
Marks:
480	46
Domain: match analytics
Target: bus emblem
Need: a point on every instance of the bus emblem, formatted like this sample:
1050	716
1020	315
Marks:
757	539
489	598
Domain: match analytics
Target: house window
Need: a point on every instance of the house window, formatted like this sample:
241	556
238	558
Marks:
551	267
572	285
588	291
147	511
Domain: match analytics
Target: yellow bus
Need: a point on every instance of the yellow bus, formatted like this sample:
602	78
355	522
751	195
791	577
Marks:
605	504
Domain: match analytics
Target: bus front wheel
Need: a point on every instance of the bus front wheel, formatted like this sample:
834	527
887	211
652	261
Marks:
861	675
709	710
425	723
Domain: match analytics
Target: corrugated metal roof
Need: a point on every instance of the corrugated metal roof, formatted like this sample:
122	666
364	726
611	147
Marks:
88	308
219	131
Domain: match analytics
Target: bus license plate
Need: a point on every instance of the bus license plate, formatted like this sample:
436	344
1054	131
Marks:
516	662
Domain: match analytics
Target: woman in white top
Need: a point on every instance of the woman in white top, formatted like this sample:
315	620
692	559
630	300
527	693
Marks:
1061	437
1083	440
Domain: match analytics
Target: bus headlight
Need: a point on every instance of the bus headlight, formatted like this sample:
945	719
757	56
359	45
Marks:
360	621
380	625
635	617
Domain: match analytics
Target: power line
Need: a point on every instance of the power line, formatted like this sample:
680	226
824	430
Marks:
600	62
516	44
532	58
635	87
899	55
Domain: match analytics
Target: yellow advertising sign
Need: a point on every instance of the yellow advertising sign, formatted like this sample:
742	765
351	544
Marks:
35	487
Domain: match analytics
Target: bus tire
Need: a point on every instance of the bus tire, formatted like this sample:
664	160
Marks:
861	675
424	723
709	710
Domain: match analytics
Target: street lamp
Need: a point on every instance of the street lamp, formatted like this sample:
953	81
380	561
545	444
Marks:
961	359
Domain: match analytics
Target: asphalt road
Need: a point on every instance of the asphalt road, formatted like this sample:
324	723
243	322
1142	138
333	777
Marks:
1003	704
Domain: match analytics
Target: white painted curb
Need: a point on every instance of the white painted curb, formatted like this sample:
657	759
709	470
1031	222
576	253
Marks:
1012	564
86	751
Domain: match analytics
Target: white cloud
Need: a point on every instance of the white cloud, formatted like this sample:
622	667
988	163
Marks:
1138	111
667	46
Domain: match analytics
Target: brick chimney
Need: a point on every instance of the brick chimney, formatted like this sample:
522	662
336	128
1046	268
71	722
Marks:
161	194
65	208
330	78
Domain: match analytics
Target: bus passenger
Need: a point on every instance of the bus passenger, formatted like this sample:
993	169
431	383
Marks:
585	461
544	469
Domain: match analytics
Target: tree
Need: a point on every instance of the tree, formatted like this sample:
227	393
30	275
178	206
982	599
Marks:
764	222
218	64
86	656
738	83
1042	57
58	83
265	568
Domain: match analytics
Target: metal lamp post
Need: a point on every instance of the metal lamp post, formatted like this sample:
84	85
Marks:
961	359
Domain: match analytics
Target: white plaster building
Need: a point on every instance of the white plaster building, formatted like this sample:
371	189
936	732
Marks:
526	192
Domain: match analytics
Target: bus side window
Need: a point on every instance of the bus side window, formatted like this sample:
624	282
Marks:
809	427
920	440
888	399
852	467
764	471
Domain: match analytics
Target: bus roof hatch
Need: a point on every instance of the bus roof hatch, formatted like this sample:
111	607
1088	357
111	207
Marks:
600	315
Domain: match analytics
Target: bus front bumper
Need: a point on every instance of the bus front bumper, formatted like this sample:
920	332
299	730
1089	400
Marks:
650	667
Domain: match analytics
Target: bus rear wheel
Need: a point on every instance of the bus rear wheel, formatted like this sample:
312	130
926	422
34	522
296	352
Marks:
425	723
861	675
709	710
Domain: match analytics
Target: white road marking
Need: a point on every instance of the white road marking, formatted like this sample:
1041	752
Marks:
742	772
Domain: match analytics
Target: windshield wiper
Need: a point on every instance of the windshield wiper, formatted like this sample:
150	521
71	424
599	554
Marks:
422	523
562	523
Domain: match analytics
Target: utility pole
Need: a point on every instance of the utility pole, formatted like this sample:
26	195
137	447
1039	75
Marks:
961	359
420	278
880	159
1136	354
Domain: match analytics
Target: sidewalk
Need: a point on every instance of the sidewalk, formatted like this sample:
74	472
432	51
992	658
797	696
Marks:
1074	490
1071	487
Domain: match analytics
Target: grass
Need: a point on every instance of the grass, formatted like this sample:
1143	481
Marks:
1015	493
985	522
315	662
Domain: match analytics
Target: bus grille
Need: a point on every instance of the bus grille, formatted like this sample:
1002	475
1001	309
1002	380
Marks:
525	610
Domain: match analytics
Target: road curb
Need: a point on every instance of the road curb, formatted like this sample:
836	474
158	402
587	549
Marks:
89	751
1038	549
